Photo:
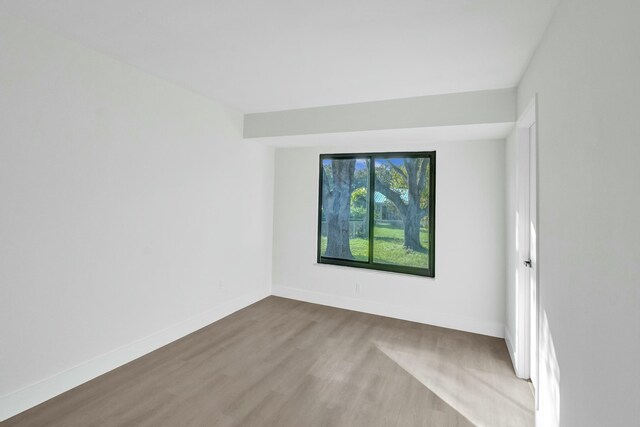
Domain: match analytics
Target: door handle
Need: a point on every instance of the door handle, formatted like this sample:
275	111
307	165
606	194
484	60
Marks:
527	263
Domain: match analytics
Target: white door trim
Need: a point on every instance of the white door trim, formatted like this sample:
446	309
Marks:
527	285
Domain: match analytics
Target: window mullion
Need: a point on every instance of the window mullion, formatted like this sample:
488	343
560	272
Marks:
372	205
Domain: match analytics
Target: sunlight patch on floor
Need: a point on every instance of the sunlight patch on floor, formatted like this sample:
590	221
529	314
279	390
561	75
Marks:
486	399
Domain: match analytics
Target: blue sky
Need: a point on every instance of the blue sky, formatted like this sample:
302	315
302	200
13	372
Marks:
395	161
362	163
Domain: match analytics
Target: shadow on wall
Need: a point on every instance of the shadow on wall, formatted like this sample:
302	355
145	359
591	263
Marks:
549	410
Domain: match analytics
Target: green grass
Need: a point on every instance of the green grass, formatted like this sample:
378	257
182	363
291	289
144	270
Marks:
388	247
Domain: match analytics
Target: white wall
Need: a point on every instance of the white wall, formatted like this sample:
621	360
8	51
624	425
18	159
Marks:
586	74
127	206
468	290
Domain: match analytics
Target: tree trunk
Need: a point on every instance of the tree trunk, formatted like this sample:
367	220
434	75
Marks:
338	210
365	228
412	228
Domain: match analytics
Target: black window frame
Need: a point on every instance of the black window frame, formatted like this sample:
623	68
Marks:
417	271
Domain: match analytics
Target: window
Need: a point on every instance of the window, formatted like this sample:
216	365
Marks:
377	211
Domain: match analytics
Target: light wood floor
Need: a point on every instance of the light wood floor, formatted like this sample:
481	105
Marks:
281	362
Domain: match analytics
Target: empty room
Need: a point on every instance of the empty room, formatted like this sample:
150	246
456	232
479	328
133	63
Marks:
320	213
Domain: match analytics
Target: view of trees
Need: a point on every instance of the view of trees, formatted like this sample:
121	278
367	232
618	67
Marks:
401	208
411	175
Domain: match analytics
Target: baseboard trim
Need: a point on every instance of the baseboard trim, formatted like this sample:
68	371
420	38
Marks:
510	348
27	397
494	329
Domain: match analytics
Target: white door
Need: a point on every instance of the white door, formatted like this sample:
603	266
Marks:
533	258
527	286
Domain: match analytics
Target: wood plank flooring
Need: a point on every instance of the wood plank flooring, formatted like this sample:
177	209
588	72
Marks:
281	362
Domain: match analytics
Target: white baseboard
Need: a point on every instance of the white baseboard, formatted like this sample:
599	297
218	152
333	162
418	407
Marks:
513	353
27	397
494	329
510	348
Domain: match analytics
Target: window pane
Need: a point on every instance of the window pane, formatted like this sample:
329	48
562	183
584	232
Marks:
401	216
345	209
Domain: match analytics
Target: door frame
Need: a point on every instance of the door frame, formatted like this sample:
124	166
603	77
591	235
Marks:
528	283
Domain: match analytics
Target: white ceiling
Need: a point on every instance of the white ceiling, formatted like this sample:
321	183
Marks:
265	55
